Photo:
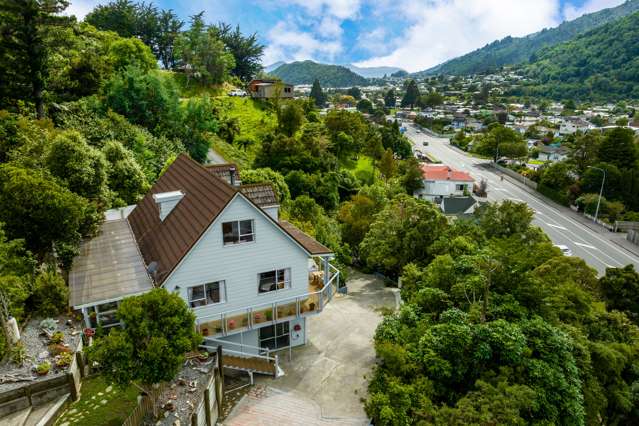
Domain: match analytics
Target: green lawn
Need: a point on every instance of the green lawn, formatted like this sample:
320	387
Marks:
363	168
100	404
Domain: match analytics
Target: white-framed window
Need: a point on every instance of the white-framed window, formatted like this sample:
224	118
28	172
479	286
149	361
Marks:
460	187
238	231
206	294
278	279
275	336
104	314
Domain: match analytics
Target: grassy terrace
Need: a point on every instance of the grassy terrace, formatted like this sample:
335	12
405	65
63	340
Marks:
100	405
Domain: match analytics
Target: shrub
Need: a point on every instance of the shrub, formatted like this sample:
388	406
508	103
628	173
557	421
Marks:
50	294
18	354
57	349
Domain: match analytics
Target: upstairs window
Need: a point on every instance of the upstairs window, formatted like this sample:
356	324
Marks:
279	279
206	294
238	231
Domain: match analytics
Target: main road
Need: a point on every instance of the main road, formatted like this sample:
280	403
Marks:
559	223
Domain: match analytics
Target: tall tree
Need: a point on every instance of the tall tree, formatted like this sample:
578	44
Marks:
317	95
120	16
246	51
619	148
390	98
169	29
24	51
412	94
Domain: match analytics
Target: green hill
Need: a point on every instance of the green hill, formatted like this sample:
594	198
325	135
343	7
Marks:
517	50
602	64
306	72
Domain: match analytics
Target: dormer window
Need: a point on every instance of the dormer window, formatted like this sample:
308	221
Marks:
238	231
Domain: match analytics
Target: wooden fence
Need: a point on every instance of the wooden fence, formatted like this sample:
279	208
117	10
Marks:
145	405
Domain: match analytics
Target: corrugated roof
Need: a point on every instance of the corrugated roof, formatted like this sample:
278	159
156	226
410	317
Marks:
166	242
439	172
305	240
261	194
108	267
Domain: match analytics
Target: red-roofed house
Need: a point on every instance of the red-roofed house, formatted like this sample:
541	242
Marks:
441	181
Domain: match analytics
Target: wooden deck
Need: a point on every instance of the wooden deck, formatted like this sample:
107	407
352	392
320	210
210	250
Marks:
257	365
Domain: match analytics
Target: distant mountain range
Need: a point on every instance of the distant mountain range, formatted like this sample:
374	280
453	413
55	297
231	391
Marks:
305	72
366	72
373	72
600	65
518	50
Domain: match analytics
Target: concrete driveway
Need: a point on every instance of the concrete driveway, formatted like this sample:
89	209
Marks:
330	372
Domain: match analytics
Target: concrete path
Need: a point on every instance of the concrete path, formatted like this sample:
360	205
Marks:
330	372
213	157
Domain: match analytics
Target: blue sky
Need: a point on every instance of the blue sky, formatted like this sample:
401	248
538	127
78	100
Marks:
412	34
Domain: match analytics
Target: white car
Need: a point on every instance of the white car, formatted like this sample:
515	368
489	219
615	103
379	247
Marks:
565	250
237	92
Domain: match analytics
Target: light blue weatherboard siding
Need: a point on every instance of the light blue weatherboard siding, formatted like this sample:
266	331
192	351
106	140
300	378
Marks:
239	265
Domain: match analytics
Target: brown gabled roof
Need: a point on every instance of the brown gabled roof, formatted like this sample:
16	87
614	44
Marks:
305	240
205	196
261	194
167	242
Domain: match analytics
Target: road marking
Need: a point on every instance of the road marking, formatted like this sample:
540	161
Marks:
557	226
501	189
516	199
585	245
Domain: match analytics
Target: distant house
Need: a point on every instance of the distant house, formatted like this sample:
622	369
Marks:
552	153
440	181
571	125
459	121
267	89
250	278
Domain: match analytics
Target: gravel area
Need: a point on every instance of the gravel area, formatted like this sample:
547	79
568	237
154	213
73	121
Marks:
181	397
36	344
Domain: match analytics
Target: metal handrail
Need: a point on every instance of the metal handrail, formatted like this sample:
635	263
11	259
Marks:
266	357
241	345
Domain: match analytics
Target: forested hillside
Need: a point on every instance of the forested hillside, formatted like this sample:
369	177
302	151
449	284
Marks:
306	72
517	50
602	64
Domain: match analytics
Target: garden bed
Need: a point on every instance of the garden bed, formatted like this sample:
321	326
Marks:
39	349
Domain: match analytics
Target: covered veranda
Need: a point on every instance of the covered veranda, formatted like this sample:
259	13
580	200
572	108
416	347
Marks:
108	269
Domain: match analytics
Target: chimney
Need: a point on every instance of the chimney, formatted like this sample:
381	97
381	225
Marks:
232	175
167	201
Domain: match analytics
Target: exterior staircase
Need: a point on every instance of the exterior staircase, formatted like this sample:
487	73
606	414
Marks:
251	359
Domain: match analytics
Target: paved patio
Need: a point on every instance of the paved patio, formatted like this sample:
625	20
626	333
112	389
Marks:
325	381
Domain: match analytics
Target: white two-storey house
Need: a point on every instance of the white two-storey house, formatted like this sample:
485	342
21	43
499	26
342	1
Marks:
249	277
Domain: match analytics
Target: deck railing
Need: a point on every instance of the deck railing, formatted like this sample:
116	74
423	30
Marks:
235	321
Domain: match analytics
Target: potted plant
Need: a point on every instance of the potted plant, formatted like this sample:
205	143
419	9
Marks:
63	360
205	331
57	337
43	368
231	324
311	306
269	315
258	317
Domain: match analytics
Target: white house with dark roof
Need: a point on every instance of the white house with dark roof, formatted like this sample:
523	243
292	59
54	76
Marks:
250	278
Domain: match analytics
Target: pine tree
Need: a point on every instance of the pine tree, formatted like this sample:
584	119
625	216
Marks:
24	52
390	99
317	94
412	94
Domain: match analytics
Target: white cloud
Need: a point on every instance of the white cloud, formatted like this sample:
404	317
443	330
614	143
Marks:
80	8
286	42
438	30
571	12
342	9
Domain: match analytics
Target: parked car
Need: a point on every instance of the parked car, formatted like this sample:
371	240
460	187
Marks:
565	250
237	92
425	143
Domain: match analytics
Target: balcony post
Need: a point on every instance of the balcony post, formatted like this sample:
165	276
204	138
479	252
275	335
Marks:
327	272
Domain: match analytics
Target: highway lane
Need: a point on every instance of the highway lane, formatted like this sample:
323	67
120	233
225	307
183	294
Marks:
598	251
